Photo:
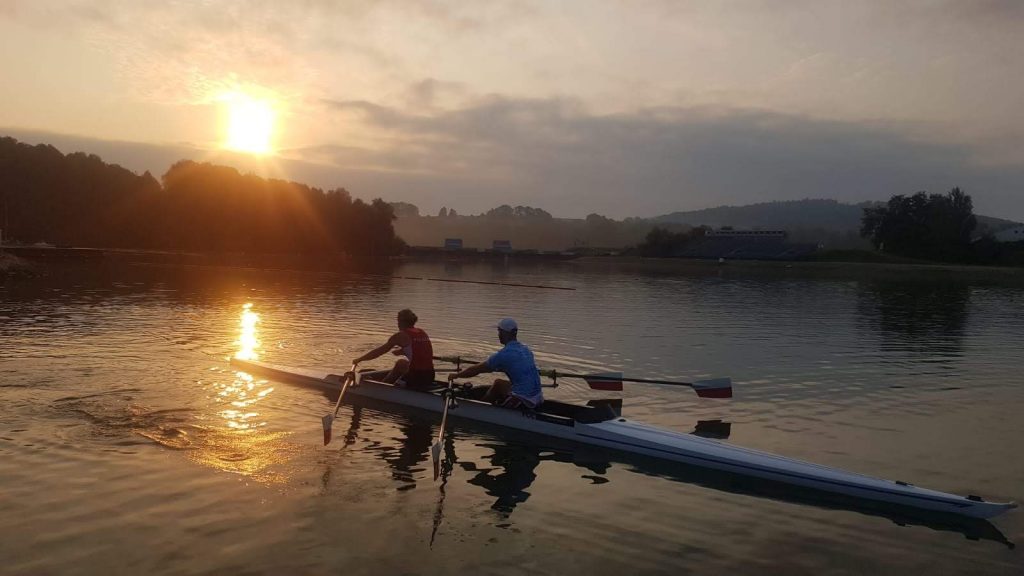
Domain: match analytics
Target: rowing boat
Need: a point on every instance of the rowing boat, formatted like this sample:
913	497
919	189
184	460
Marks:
600	425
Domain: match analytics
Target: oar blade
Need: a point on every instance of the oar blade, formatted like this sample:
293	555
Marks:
607	381
327	420
713	429
714	388
435	454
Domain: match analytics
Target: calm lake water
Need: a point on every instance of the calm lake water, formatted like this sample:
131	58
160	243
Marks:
129	446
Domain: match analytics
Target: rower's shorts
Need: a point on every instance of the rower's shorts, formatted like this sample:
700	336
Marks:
514	402
419	379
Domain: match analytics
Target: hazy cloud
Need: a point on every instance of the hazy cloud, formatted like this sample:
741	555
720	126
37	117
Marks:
625	108
554	154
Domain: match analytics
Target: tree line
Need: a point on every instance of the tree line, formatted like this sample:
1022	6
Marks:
922	226
78	199
936	227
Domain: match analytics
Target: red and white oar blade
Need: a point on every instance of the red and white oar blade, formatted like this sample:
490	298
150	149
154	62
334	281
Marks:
608	381
714	388
327	420
435	453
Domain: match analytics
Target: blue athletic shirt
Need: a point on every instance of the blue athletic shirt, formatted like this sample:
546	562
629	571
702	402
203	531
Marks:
516	361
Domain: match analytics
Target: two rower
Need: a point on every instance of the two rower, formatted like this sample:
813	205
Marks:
415	365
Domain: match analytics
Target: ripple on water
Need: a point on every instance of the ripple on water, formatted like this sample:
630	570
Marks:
119	452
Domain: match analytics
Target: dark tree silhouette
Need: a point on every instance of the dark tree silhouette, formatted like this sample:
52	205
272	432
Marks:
78	199
931	226
405	209
663	243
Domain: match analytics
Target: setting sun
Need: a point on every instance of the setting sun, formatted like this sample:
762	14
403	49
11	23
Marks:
250	123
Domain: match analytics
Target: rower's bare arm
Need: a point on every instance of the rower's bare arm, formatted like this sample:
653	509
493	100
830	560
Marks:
481	368
398	342
379	350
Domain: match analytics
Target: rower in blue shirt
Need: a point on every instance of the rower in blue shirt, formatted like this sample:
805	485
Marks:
516	361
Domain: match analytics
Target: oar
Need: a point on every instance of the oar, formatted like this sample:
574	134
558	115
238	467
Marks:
446	472
454	359
712	388
329	418
435	450
612	381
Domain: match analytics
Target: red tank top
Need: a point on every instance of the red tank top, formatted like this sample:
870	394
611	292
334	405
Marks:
422	351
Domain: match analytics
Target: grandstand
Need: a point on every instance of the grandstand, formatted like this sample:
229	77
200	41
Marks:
744	245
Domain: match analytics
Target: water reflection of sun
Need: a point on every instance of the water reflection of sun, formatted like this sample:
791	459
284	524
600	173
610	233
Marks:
245	392
240	444
247	341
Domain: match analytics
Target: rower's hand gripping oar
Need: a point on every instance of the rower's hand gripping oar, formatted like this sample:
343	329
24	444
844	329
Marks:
327	420
435	451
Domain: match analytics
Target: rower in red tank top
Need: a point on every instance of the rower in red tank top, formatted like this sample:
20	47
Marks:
415	365
419	352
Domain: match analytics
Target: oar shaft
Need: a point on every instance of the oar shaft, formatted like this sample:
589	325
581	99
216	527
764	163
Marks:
447	396
557	374
455	360
611	378
640	380
444	421
435	450
344	386
349	377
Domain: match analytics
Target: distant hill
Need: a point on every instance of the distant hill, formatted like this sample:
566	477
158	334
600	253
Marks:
796	215
524	231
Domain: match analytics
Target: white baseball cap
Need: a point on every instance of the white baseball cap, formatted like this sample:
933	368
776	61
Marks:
508	325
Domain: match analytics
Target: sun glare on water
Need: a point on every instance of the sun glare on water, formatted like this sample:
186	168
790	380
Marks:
250	123
248	343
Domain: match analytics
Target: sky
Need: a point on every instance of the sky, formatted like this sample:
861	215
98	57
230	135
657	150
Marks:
623	108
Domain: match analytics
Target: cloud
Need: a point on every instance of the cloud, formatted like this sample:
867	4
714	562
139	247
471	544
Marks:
555	154
174	52
626	108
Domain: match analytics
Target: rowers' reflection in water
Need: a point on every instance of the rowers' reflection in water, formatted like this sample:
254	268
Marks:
405	459
414	450
512	472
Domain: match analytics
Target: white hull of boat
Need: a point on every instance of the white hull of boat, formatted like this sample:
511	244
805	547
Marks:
624	435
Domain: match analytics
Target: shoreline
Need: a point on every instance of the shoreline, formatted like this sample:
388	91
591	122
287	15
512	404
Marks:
836	268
